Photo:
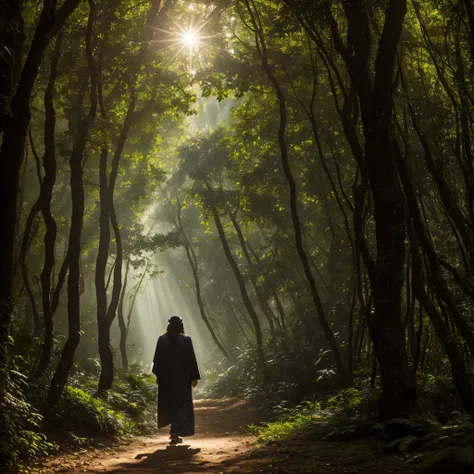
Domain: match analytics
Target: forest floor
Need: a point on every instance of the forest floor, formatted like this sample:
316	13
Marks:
221	446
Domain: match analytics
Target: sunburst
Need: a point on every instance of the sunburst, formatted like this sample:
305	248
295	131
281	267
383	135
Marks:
189	38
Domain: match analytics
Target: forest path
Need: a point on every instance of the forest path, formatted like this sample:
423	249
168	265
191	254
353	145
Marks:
219	446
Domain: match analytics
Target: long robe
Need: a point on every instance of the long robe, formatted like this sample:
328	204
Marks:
175	366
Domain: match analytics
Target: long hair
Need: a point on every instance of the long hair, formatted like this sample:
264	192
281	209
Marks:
175	328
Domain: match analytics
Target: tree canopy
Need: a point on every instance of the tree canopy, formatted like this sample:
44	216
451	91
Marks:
297	175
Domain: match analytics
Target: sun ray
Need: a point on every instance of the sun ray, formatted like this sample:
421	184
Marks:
187	38
164	31
172	40
174	55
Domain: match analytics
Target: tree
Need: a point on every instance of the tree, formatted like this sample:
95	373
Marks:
50	22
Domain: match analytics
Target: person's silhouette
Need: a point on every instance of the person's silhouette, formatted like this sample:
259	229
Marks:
176	371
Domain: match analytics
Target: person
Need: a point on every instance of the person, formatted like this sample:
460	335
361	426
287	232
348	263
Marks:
176	371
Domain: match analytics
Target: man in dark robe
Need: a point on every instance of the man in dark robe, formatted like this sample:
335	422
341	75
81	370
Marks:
176	371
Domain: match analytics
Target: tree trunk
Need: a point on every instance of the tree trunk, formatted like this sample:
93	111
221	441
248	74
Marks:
106	312
121	321
281	312
25	245
49	24
59	285
386	327
73	282
134	298
243	290
461	377
266	310
375	97
440	287
73	257
49	180
297	228
193	263
105	353
202	309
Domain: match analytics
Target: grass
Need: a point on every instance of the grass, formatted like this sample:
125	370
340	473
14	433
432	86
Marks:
290	423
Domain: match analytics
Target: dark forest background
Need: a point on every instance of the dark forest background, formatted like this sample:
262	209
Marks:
309	164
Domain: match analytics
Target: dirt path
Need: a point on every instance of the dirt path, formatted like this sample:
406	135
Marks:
220	447
218	441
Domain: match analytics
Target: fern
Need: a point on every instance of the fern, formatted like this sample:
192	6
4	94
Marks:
454	460
401	445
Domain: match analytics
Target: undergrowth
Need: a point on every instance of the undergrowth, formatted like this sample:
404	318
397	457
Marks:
293	372
294	421
129	409
438	440
80	418
434	446
21	438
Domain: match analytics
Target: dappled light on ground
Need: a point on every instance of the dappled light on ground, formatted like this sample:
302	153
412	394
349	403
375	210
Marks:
222	446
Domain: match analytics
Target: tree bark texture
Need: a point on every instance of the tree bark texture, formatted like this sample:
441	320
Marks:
297	227
121	321
375	97
15	129
243	290
73	257
49	180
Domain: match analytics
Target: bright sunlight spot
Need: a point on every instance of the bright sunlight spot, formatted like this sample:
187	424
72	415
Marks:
189	38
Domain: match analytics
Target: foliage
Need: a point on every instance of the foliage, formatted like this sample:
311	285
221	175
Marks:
285	139
292	372
428	443
435	448
129	409
21	439
293	421
459	460
81	416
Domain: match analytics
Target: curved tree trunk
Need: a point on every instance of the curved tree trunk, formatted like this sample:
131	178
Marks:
440	287
49	180
105	353
50	22
73	282
243	290
25	245
193	263
266	310
202	309
375	98
75	232
462	379
297	228
121	321
106	313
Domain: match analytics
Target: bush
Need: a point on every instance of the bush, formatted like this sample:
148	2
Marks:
290	421
129	409
20	437
293	372
80	411
458	460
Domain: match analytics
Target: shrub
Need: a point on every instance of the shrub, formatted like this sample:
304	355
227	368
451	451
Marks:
293	372
20	436
290	421
129	409
80	411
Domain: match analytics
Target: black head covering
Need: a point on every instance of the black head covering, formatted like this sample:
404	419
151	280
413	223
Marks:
175	320
175	328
